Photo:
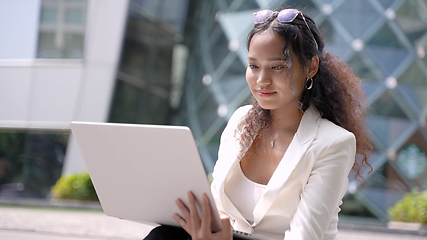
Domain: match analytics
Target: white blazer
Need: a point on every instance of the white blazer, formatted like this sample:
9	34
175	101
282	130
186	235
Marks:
302	198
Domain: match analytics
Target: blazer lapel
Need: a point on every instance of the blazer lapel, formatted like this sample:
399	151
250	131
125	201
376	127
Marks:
306	133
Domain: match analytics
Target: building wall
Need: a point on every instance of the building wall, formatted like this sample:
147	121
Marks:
41	96
19	28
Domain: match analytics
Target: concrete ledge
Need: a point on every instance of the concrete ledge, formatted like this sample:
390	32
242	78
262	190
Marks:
70	222
383	229
52	203
407	226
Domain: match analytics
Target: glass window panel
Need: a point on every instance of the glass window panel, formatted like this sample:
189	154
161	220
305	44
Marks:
232	86
387	51
305	5
62	28
388	130
218	50
162	64
334	42
411	18
376	160
416	96
134	57
146	62
30	162
75	16
233	82
207	113
49	15
412	161
125	103
385	105
248	5
415	75
74	43
386	3
237	68
353	207
212	149
371	87
194	82
47	46
387	58
385	187
360	67
69	45
174	13
152	109
229	2
149	6
357	16
386	37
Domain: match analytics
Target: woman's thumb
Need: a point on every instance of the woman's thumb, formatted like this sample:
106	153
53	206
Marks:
225	220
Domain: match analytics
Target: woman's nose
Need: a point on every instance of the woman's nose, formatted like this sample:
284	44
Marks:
264	78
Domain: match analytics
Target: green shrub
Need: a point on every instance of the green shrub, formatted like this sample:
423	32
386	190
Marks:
411	208
75	186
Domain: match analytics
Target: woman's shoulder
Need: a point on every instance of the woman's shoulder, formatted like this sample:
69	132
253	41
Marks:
238	115
334	144
233	122
241	111
329	130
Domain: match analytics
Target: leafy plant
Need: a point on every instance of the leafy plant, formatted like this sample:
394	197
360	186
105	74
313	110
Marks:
75	186
411	208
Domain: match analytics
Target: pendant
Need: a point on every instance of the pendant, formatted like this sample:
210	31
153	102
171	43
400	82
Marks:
272	144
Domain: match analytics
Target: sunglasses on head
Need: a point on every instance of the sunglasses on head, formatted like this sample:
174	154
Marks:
284	16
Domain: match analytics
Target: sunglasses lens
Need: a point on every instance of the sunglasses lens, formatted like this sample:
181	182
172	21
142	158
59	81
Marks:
287	15
262	16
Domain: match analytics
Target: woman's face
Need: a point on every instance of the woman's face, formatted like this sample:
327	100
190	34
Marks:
275	82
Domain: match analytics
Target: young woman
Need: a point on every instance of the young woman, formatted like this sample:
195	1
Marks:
283	162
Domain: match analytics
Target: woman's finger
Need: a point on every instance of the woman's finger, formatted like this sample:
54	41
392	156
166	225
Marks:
194	214
181	222
206	215
226	227
184	210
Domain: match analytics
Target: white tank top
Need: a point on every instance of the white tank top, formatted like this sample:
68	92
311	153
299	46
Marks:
243	193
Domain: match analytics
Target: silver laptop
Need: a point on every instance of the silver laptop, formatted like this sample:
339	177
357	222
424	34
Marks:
138	171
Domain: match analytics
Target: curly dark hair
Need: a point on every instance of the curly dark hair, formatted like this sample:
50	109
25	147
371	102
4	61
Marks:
336	91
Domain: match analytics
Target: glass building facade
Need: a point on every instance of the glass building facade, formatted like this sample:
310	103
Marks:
183	62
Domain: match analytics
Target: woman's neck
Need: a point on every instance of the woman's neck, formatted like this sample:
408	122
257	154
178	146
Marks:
284	119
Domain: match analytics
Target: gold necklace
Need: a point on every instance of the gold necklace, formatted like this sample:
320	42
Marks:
274	140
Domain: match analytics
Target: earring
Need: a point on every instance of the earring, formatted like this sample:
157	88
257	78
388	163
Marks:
309	83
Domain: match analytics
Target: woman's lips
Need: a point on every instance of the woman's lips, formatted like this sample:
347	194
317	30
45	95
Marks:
264	93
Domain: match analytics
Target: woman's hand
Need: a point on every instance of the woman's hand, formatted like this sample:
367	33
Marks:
200	229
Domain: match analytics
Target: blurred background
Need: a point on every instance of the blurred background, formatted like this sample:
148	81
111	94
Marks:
182	62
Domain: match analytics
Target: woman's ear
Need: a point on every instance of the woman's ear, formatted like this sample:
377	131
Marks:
313	66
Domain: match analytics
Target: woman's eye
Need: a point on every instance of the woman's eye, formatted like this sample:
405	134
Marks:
252	66
277	67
